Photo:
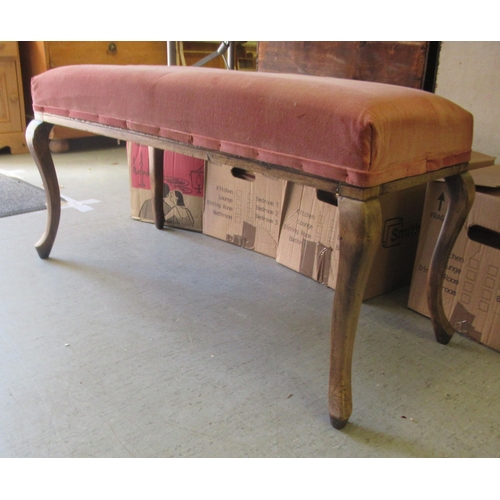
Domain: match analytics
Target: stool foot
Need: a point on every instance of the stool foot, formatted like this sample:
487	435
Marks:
338	423
37	138
461	192
360	227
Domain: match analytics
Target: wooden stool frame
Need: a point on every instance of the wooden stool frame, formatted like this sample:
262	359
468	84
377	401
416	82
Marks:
360	227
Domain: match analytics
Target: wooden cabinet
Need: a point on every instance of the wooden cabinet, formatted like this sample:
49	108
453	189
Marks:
12	117
37	57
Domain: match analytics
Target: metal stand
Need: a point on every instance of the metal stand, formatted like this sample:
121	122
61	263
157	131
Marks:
224	47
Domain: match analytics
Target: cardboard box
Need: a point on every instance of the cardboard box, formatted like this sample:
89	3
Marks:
243	208
478	160
184	179
471	291
309	238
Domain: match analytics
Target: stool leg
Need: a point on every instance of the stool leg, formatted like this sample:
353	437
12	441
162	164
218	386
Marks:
156	179
461	193
360	227
37	138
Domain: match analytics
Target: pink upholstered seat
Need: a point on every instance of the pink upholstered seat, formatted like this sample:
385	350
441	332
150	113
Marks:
360	133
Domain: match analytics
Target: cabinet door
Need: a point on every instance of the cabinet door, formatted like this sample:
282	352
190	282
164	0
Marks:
10	112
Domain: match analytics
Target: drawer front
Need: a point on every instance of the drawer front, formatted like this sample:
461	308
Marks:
67	53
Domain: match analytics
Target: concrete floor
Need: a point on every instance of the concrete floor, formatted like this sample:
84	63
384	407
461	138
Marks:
134	342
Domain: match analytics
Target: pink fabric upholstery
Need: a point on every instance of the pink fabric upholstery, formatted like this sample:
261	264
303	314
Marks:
360	133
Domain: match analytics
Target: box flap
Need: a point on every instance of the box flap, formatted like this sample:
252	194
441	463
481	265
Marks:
488	177
483	170
478	160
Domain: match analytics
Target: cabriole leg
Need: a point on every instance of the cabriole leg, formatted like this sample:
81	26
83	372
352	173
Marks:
37	137
461	193
360	227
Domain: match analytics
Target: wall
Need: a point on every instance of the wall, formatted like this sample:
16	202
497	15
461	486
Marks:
469	74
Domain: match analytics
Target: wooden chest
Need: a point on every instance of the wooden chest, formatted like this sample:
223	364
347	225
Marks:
410	64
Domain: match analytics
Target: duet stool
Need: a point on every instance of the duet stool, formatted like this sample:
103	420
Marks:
352	141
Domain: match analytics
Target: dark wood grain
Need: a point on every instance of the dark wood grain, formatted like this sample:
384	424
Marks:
398	63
